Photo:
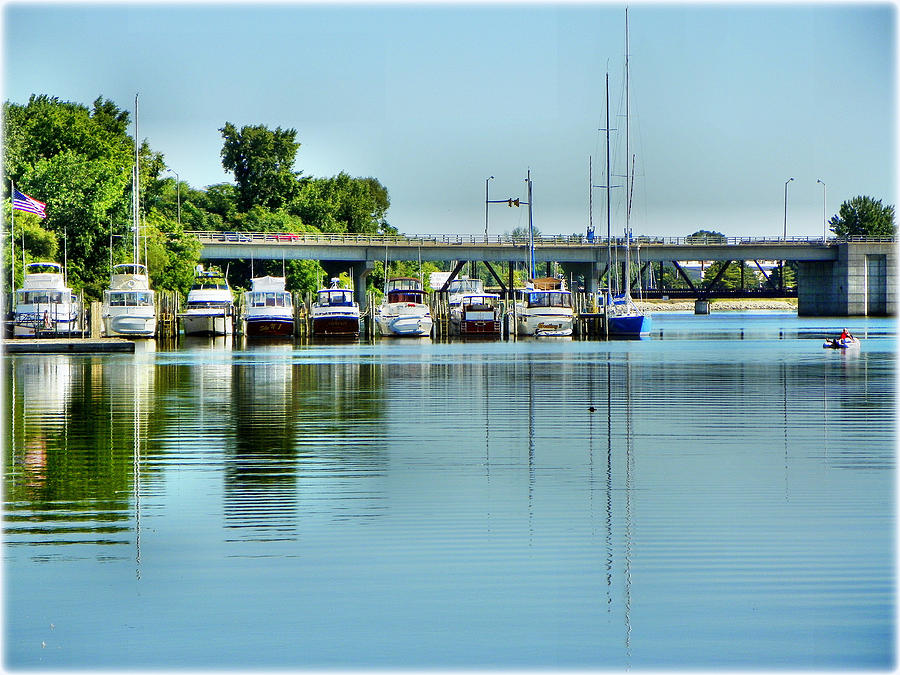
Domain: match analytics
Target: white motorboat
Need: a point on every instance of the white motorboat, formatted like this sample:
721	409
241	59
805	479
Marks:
209	309
544	309
403	312
44	305
268	308
128	307
472	310
334	312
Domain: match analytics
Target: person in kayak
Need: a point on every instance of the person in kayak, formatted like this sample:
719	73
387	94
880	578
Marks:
845	335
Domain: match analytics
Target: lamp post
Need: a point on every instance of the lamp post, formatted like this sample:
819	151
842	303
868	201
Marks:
824	212
486	202
178	189
785	206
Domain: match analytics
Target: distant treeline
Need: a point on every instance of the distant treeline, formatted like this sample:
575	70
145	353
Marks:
79	160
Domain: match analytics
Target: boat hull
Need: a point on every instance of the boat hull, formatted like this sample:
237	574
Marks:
335	325
841	344
404	326
129	325
544	325
632	325
269	327
207	324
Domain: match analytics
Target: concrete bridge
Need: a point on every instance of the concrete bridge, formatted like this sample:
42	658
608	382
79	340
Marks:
837	277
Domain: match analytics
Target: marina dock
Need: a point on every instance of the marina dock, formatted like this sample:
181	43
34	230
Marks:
68	346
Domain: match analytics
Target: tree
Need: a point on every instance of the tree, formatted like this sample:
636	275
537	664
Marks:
262	163
343	204
731	279
863	217
706	237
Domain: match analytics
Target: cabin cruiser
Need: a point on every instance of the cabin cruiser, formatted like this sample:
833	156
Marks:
334	312
44	305
128	308
472	310
268	308
209	309
544	308
403	312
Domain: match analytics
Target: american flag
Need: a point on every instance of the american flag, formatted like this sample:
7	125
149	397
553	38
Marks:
23	202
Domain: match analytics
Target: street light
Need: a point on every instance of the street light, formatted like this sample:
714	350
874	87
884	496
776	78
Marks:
785	206
178	188
824	212
486	201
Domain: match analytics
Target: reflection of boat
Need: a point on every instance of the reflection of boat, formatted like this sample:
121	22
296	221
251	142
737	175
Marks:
544	308
44	304
472	311
210	305
403	311
268	309
334	312
128	307
839	343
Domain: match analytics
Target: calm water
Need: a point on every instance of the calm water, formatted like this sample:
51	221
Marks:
720	495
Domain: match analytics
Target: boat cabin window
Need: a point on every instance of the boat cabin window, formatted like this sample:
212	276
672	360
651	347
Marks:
269	299
548	299
405	296
43	297
335	298
129	298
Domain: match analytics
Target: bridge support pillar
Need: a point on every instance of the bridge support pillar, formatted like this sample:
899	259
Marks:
861	282
360	271
591	272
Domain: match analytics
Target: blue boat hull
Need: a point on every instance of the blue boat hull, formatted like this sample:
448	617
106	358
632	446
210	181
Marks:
634	325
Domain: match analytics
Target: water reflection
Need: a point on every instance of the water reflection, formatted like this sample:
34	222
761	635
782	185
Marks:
76	430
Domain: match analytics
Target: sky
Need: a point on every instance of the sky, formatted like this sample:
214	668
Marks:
728	101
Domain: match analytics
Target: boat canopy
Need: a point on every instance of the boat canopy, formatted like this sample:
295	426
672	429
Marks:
404	284
267	284
335	297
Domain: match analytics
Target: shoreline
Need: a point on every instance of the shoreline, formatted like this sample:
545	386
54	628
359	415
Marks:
720	305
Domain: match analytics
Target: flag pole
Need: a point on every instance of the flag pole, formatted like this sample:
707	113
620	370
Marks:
12	236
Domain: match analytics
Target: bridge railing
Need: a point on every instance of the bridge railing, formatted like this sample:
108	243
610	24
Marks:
215	237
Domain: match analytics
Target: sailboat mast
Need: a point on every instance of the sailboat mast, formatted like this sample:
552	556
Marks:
609	275
629	177
135	184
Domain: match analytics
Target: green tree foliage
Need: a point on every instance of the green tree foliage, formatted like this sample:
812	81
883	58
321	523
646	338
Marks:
790	276
706	237
863	217
262	162
342	204
731	279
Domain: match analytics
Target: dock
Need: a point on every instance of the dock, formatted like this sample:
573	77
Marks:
68	346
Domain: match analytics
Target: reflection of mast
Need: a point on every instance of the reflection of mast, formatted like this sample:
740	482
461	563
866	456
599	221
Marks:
530	447
628	475
609	546
136	470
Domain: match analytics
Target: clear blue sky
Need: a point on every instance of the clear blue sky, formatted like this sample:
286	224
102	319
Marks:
728	101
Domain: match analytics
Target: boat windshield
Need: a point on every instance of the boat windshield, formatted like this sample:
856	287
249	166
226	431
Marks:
465	286
206	304
405	296
548	299
335	298
129	298
209	284
43	297
270	299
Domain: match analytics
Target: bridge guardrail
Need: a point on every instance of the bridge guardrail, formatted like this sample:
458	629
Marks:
505	240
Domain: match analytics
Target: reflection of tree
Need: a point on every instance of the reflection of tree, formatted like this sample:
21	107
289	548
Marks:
71	444
295	425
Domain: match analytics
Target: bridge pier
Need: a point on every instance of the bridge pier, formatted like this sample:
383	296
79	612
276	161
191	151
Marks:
862	281
360	270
